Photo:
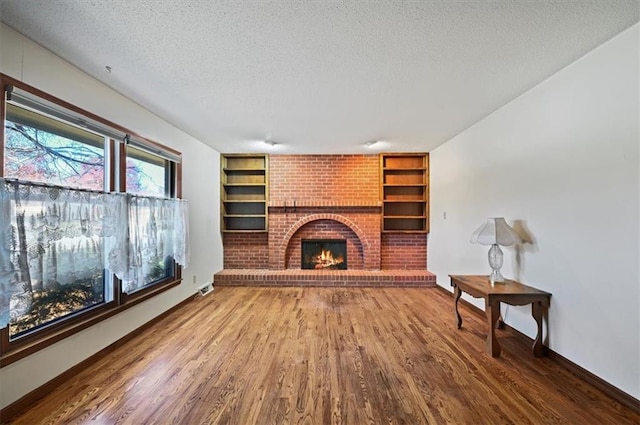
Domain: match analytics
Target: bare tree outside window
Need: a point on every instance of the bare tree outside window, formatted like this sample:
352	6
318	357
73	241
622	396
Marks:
34	155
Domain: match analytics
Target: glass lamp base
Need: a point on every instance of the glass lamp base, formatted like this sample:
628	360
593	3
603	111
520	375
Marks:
495	262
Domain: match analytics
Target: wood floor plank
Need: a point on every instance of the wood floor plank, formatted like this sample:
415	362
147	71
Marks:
258	355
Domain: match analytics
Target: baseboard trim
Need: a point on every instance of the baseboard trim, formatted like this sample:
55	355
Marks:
615	393
32	397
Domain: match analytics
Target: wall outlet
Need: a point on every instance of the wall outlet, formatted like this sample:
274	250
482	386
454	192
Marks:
194	278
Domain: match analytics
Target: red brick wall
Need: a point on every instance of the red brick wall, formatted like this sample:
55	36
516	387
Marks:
322	186
246	250
334	195
320	179
404	251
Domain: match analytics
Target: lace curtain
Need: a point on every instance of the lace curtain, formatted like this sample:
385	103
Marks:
157	233
51	236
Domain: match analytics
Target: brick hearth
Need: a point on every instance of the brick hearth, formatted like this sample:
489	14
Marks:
291	277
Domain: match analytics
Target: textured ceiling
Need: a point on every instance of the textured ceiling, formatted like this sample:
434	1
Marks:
321	77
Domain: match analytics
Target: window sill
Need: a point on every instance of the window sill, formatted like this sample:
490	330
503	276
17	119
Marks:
29	344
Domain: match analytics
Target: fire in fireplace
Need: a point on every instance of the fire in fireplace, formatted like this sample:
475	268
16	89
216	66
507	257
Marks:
324	254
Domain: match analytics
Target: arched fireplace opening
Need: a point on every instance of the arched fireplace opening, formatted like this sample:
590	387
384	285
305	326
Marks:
326	240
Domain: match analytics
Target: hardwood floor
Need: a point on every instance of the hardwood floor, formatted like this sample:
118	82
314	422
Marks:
323	356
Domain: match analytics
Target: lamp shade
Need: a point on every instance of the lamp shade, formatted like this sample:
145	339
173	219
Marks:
495	230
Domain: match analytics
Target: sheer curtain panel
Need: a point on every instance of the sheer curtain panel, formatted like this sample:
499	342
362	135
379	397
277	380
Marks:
59	247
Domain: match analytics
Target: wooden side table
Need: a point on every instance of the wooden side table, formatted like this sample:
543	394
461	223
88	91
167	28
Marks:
510	292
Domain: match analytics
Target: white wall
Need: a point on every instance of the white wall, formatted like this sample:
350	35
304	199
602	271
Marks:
27	61
562	162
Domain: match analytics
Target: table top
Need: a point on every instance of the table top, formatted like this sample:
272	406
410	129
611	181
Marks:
481	284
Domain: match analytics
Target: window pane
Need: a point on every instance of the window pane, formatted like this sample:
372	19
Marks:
42	149
55	254
146	173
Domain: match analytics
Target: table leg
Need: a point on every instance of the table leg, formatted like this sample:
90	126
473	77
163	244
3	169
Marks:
492	311
456	296
537	311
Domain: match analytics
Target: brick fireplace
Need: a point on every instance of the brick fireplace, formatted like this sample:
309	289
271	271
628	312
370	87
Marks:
324	197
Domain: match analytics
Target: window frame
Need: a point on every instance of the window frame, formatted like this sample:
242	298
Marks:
115	179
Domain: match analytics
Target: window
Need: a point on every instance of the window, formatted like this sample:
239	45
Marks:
147	175
55	247
151	176
78	249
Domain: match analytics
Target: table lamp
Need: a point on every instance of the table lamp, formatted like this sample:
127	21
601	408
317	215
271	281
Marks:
495	232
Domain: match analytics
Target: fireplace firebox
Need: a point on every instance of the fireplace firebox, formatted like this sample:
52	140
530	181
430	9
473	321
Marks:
324	254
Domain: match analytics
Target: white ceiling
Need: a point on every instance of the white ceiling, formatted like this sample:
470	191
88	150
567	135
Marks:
321	77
